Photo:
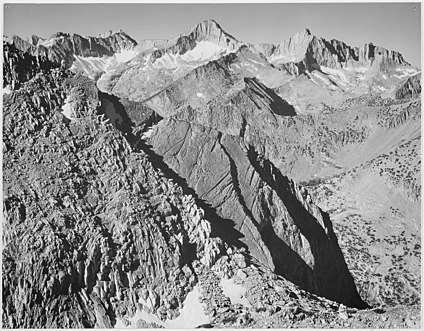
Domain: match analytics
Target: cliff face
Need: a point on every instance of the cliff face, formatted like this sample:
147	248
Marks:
20	66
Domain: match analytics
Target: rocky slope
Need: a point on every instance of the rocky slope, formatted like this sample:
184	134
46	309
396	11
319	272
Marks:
365	132
96	236
92	229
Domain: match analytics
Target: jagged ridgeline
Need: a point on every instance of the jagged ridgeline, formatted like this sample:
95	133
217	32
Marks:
156	184
91	228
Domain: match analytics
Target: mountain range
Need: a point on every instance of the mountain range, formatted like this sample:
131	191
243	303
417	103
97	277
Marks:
164	176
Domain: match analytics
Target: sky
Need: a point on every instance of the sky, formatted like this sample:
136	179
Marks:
395	26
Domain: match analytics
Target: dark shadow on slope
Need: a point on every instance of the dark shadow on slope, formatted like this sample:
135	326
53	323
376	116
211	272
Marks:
286	261
129	117
132	125
278	105
220	227
112	108
325	275
331	274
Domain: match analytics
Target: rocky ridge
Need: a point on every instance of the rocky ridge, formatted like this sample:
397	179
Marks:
328	65
80	258
20	66
63	46
304	51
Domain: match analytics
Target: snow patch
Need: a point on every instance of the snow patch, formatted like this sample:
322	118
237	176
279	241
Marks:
201	95
125	55
167	61
48	43
191	315
204	50
405	72
361	69
148	134
281	58
91	65
7	90
257	62
320	77
68	110
235	292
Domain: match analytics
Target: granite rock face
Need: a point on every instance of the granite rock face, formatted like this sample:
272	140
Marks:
208	30
63	46
20	66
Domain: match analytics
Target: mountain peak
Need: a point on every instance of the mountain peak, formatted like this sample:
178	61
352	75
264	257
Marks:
111	33
305	32
208	24
303	35
210	30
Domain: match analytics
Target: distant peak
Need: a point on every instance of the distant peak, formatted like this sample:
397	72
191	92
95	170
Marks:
304	33
210	22
34	39
210	30
207	27
111	33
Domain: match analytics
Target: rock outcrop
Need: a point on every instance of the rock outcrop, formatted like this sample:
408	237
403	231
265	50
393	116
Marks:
411	88
20	66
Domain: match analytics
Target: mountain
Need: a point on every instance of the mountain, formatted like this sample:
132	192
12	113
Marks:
64	46
331	66
205	182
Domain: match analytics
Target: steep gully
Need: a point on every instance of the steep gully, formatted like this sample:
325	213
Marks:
329	276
